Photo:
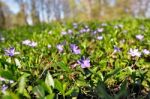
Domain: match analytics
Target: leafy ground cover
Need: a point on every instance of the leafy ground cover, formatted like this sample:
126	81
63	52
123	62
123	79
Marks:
89	60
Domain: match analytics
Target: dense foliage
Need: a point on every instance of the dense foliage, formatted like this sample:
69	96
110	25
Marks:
108	60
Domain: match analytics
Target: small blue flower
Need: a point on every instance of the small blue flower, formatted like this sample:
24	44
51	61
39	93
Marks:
85	63
75	49
116	49
4	88
60	47
11	52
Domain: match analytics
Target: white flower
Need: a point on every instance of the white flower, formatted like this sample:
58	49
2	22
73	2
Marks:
100	37
134	52
33	44
63	33
29	43
49	46
146	52
2	39
26	42
139	37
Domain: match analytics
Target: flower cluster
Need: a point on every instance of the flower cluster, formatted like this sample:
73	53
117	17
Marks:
29	43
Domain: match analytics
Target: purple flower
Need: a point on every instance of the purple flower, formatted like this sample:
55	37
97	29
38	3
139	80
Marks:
29	43
75	25
33	44
3	88
11	52
85	63
70	31
139	37
88	30
146	52
26	42
116	49
100	30
82	30
60	47
100	37
134	52
75	49
94	32
63	32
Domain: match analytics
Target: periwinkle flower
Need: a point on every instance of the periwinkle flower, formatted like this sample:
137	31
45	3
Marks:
94	32
4	88
88	30
146	52
63	32
139	37
11	52
82	30
75	25
85	63
26	42
70	31
134	52
60	47
100	30
75	49
29	43
100	37
33	44
116	49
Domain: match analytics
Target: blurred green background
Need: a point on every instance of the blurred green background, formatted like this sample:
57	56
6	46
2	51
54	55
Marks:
29	12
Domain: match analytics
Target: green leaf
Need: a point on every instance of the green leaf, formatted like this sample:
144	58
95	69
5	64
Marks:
63	66
51	96
17	63
10	95
7	75
59	86
39	91
22	83
112	73
49	80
